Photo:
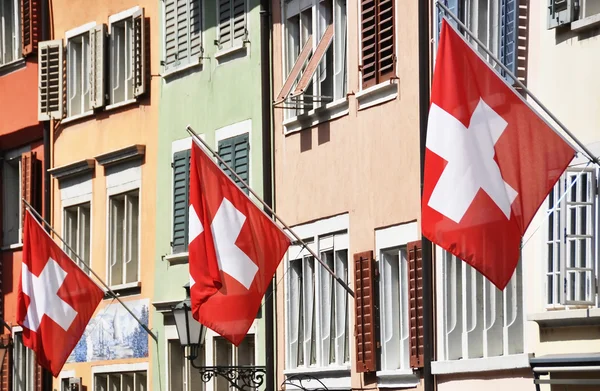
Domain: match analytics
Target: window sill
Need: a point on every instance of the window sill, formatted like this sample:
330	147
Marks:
175	70
120	104
567	317
377	94
131	288
177	259
337	377
12	247
12	66
500	363
331	111
401	378
230	51
78	116
586	23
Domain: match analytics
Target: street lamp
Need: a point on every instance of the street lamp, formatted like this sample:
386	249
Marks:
192	334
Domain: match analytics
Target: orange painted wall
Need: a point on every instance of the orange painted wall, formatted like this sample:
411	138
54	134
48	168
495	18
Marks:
18	98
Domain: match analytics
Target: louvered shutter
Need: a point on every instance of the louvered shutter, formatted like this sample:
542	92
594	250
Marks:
415	303
182	30
30	181
225	22
239	21
170	32
235	151
139	50
97	51
7	365
560	12
30	25
50	80
453	6
508	34
368	40
181	180
364	271
195	26
386	58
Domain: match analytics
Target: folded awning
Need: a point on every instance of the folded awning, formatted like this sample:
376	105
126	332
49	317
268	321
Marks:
569	368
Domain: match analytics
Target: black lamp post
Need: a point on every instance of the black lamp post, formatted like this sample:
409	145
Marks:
191	336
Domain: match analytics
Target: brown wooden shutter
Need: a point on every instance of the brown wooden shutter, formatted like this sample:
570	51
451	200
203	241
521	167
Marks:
39	377
6	372
30	25
368	39
364	271
415	303
386	58
30	181
377	39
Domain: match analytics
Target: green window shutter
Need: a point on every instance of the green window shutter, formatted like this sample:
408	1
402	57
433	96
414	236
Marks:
235	151
181	180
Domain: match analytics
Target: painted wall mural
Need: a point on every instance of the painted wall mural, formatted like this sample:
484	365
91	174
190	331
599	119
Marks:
114	334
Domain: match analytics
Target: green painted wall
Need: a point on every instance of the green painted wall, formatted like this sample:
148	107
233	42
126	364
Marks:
210	96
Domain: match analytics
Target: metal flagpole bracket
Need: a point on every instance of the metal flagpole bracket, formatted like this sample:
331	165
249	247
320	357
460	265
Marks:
304	382
268	208
448	13
239	377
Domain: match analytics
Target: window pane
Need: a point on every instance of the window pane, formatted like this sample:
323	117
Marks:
114	382
117	215
101	382
132	237
141	380
85	234
223	355
127	382
176	366
11	212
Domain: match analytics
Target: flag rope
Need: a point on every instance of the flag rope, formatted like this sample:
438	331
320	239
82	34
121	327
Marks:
557	206
449	13
110	291
197	138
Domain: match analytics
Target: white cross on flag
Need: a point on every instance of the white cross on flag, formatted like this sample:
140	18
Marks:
490	162
55	300
234	250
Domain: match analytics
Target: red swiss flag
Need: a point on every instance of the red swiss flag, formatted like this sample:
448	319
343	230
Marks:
234	250
490	162
56	299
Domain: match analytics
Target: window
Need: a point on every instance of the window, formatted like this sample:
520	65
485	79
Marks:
183	33
10	32
182	376
318	29
232	23
77	233
127	69
571	239
478	320
24	365
181	187
124	238
394	309
227	354
12	208
493	22
235	151
317	306
378	52
562	12
120	381
78	74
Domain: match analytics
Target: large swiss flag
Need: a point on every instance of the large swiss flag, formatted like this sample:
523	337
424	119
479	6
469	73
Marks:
234	250
490	162
55	300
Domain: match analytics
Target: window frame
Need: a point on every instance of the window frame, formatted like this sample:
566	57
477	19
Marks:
119	369
81	31
29	358
79	206
170	337
338	106
313	234
12	155
17	39
190	61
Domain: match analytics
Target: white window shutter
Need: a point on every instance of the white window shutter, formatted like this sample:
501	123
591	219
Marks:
50	80
170	32
225	22
139	58
97	51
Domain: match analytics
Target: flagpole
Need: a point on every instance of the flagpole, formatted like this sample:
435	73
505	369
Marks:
447	12
268	208
110	291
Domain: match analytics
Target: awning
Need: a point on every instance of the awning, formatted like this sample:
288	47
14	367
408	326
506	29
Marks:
572	368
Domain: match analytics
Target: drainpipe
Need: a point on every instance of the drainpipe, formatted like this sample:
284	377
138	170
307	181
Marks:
44	36
265	72
426	252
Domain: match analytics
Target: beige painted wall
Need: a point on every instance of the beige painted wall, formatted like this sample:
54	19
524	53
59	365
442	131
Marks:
489	381
365	163
107	131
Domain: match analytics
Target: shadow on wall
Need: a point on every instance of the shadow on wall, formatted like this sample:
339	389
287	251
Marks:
569	334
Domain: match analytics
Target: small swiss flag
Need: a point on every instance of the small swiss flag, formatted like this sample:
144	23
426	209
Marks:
490	162
234	250
55	300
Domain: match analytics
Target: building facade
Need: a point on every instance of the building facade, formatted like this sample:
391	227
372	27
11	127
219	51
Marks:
346	131
210	79
97	92
22	175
